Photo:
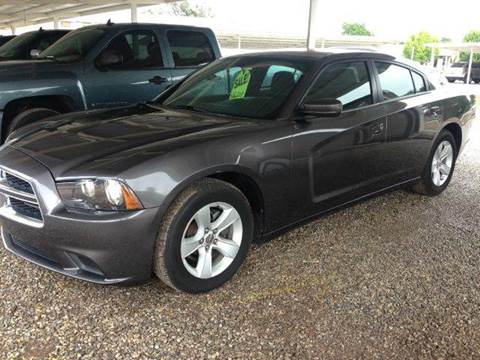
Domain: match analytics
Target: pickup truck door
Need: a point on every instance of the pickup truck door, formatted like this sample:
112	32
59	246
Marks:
138	75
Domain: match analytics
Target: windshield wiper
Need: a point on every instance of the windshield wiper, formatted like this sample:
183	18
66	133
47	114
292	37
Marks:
187	107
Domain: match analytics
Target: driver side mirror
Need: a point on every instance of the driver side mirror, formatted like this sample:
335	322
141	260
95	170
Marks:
324	107
34	53
109	58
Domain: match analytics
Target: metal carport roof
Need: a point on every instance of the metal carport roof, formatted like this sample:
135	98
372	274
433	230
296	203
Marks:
15	14
471	47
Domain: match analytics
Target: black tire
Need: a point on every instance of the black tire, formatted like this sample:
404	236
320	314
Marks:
168	264
30	116
425	185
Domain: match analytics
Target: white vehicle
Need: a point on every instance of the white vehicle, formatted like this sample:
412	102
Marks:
456	72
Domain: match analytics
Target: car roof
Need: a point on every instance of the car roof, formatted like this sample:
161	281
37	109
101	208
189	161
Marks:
333	54
137	25
47	31
322	54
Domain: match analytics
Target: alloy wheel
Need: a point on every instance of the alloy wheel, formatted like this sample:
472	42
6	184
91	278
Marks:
211	240
442	163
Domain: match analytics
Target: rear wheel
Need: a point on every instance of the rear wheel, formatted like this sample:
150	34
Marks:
204	238
439	169
30	116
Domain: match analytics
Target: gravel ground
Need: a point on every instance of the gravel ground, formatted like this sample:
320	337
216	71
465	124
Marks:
393	277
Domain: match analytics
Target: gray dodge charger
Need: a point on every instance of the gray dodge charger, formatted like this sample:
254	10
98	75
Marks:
243	149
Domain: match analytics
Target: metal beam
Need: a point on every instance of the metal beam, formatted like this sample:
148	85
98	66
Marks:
133	11
312	20
470	62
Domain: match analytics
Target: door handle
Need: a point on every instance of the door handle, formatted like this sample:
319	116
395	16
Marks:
158	80
432	111
378	129
435	110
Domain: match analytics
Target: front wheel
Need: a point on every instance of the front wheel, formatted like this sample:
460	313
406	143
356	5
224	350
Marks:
439	169
30	116
204	238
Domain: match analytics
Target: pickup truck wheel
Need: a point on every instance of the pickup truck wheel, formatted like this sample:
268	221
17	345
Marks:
204	237
438	171
29	117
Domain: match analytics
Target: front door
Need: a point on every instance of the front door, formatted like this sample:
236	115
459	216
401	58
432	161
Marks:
140	75
339	159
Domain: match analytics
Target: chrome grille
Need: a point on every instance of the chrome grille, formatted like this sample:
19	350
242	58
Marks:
26	209
19	200
18	184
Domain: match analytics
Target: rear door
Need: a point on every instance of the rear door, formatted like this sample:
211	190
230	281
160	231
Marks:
140	76
189	50
413	116
340	158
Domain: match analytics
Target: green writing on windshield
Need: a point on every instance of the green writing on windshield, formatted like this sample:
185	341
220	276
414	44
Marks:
240	84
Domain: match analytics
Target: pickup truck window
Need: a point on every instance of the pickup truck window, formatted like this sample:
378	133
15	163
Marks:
347	82
190	48
395	80
138	49
74	46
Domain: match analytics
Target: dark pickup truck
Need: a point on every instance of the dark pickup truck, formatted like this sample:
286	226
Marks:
101	66
28	45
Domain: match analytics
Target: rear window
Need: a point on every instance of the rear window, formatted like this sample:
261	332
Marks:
190	48
395	80
419	82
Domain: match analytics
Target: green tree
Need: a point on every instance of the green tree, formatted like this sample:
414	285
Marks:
185	8
355	29
472	36
416	43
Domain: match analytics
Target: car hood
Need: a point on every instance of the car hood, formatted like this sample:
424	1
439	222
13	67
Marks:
71	141
27	69
7	65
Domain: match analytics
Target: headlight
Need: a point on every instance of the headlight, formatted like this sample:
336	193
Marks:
98	194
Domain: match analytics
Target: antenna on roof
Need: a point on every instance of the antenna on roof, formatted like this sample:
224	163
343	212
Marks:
109	22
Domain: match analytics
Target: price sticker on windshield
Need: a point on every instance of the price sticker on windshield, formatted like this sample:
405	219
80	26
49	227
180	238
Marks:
240	84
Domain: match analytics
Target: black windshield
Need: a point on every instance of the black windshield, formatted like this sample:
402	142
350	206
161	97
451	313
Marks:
18	48
253	87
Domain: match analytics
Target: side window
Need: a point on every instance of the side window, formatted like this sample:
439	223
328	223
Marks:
419	82
190	48
347	82
137	49
395	80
